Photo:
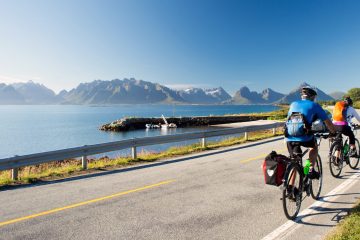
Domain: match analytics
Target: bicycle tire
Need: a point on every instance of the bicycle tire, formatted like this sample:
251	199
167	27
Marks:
335	166
354	161
292	199
316	184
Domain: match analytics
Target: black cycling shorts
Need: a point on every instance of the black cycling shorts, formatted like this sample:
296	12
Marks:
346	130
294	148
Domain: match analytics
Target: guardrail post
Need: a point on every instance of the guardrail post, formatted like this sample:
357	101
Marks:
274	131
133	153
84	162
203	142
14	174
246	136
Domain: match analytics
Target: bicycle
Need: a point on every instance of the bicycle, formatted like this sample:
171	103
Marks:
338	154
295	182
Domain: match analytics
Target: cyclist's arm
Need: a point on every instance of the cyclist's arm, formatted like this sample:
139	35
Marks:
352	112
330	126
324	117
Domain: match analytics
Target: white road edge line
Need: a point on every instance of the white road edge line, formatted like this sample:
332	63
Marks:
283	230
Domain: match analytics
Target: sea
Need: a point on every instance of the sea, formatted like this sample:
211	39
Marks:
27	129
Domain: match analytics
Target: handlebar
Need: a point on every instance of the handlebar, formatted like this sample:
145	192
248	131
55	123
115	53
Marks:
354	125
322	134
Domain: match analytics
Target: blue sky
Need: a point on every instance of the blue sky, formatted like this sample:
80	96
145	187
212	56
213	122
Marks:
181	43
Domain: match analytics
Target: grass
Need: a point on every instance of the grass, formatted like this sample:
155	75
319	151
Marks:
279	114
357	105
349	227
72	167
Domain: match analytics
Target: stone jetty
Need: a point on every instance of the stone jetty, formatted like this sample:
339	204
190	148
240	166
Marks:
126	124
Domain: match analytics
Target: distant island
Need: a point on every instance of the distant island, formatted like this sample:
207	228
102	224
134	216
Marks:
132	91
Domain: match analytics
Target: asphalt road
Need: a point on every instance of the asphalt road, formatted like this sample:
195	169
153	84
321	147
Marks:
218	194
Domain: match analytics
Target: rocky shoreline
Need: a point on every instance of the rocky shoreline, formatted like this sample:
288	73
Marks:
126	124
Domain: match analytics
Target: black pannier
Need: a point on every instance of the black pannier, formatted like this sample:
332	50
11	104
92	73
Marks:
274	167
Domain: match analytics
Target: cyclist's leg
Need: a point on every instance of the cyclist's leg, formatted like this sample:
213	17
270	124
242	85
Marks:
340	130
313	154
346	130
294	150
350	133
313	150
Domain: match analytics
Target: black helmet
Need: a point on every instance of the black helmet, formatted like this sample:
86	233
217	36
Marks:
348	101
308	92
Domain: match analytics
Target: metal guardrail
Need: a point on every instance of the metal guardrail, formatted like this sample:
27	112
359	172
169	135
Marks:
16	162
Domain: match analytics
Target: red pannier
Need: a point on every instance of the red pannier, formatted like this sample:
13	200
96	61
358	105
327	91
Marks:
274	168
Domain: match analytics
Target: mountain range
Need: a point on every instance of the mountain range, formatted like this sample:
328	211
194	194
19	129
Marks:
132	91
27	93
245	96
337	95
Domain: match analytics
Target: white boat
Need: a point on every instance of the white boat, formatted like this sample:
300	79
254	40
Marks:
167	125
151	126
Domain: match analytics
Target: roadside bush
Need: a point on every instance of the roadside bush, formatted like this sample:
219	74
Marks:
354	93
327	103
357	105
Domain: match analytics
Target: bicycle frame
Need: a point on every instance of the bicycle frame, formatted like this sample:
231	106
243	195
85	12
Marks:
299	157
339	140
297	160
337	156
295	181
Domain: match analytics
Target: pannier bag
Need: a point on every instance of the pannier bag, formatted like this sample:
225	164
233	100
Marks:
274	168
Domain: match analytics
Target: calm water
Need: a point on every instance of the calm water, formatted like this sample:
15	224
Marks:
33	129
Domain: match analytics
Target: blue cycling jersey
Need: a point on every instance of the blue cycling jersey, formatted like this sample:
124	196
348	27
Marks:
311	111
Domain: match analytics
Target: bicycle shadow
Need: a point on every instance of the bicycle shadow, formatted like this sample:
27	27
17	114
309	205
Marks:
347	175
323	199
338	212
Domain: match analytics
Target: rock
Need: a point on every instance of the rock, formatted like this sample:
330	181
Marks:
126	124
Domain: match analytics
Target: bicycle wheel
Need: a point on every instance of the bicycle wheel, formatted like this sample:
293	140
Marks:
316	184
292	193
354	161
335	163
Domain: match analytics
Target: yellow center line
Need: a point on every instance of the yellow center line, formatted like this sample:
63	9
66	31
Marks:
261	156
83	203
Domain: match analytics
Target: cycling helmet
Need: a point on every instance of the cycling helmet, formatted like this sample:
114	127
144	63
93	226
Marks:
348	101
308	92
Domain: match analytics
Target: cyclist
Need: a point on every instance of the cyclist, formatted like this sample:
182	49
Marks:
298	133
342	115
